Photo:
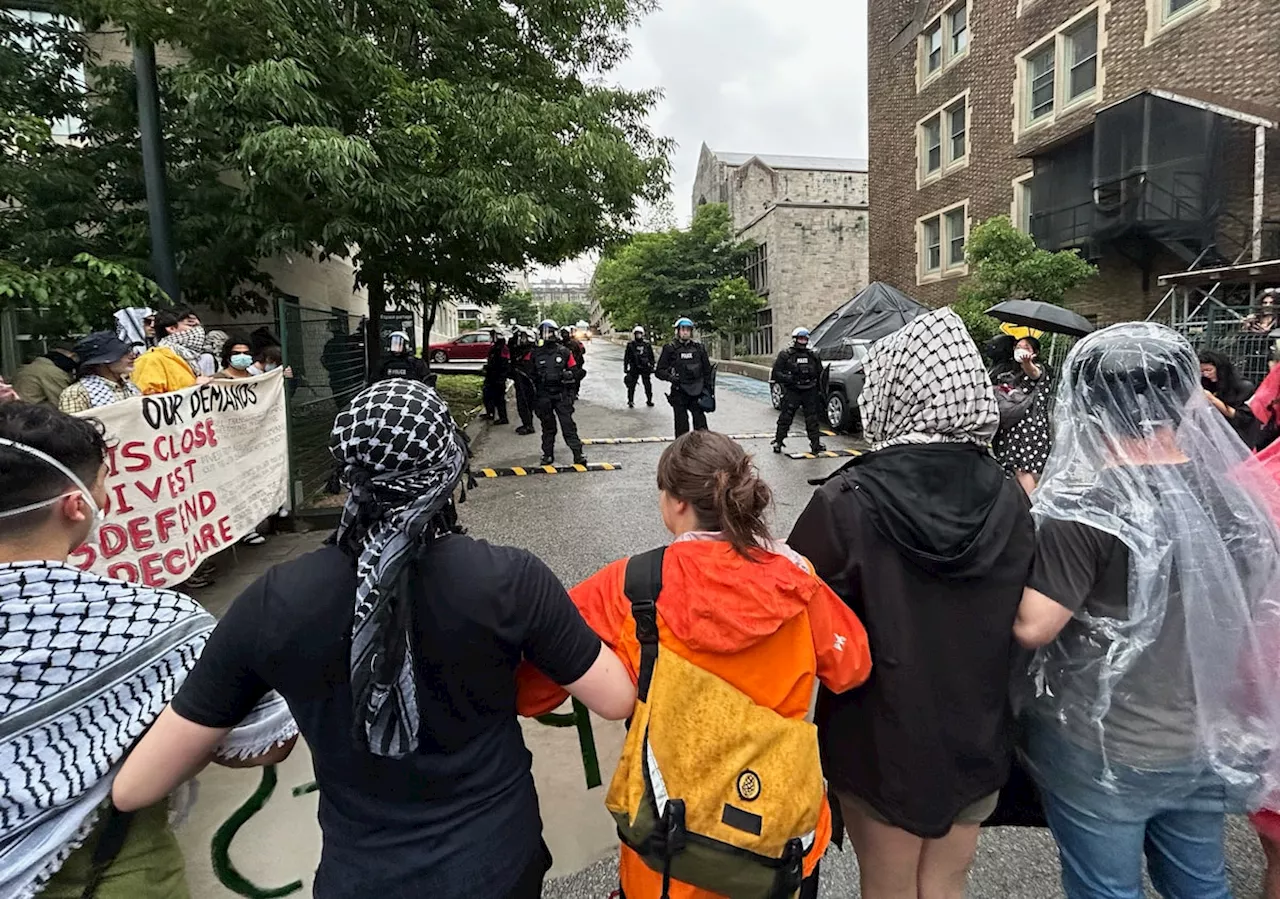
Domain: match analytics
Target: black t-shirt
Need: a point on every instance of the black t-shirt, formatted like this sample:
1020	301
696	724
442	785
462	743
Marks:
460	817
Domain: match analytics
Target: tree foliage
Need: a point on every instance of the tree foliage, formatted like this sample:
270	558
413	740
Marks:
733	309
1006	264
438	145
518	305
654	278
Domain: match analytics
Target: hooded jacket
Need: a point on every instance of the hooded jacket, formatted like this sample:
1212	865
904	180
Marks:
930	545
769	627
161	370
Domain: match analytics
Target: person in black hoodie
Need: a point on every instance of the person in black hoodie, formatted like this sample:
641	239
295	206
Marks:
929	541
1229	394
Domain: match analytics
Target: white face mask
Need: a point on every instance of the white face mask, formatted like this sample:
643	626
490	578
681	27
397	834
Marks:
96	515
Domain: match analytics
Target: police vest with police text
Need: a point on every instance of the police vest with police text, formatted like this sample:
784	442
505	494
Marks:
804	369
688	364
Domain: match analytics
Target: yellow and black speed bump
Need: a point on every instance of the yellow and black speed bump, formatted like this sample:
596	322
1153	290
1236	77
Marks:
519	472
829	454
627	441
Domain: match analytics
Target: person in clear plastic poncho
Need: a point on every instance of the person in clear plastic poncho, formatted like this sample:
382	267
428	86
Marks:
1154	606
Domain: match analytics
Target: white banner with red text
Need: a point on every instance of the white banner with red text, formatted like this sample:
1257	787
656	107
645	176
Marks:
189	474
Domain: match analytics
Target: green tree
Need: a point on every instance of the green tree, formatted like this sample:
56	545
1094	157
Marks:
733	310
518	305
656	277
439	145
1006	264
566	313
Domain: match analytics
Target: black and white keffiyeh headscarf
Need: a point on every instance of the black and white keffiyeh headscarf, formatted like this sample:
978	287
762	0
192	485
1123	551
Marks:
400	455
926	384
188	344
102	392
86	665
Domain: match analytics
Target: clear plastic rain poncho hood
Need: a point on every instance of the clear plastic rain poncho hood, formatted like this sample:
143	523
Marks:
1181	673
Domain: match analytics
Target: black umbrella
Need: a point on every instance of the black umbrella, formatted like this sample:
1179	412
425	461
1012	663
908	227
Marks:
1042	317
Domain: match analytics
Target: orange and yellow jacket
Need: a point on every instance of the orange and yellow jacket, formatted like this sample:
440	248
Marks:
770	627
161	370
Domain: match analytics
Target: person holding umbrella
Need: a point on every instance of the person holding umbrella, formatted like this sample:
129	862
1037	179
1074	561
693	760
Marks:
1022	443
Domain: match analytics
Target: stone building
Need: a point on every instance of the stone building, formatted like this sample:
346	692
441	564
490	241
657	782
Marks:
1140	132
808	218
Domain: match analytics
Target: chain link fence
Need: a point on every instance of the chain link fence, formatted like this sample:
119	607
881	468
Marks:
325	350
1246	335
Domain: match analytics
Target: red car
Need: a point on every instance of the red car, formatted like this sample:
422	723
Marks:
472	346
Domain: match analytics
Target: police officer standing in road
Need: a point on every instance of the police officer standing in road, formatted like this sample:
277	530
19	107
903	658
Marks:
401	363
496	371
522	375
685	364
637	365
556	376
799	371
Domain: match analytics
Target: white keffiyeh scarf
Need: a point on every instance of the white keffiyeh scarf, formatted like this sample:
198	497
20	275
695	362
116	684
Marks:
86	665
926	383
188	344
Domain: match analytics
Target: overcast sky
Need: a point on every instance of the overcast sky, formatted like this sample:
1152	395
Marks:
751	76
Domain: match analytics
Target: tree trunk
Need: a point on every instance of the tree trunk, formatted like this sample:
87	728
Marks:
430	306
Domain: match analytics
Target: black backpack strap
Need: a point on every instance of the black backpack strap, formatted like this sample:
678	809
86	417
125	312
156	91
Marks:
642	586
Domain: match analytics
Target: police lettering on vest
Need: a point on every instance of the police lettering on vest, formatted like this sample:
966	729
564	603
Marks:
689	365
805	371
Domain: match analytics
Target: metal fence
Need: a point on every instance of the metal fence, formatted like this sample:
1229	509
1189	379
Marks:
325	350
1241	333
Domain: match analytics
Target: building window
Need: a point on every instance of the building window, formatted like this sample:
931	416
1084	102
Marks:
932	41
959	118
941	240
943	41
933	145
1082	56
757	269
38	31
943	139
1162	14
958	25
1061	71
955	221
1040	75
761	341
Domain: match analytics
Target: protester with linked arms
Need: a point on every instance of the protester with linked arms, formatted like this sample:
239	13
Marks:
741	632
1154	601
556	375
638	365
929	542
71	702
396	646
684	364
106	364
799	371
43	379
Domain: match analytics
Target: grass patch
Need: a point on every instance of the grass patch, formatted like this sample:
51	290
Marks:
463	393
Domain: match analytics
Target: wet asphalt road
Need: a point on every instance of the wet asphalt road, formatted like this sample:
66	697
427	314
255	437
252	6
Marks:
579	522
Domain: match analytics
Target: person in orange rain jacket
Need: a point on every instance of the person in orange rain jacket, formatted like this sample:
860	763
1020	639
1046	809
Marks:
734	602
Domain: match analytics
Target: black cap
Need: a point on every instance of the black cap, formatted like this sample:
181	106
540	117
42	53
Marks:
101	347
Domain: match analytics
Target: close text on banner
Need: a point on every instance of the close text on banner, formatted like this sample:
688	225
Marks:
189	474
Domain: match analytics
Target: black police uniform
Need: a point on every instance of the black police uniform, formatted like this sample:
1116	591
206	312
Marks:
496	371
522	375
556	374
403	365
686	366
638	365
575	346
799	371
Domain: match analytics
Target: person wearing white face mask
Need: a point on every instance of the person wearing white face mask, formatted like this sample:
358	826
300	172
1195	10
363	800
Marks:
106	362
72	701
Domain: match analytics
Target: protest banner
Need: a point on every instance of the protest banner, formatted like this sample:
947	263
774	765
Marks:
189	474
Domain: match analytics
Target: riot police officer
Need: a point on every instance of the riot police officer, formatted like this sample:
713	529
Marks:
685	365
401	363
637	365
799	371
579	350
522	377
556	374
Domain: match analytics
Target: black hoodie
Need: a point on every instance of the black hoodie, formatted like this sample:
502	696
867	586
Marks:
931	546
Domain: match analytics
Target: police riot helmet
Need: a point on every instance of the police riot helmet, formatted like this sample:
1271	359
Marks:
548	329
399	342
637	331
800	336
682	323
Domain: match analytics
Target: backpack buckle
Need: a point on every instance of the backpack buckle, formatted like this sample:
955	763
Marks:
645	613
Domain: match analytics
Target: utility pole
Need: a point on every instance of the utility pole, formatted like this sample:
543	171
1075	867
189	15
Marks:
153	169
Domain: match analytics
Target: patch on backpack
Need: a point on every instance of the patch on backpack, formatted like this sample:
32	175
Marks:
749	785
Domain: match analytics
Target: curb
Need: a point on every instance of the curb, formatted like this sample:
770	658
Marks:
745	369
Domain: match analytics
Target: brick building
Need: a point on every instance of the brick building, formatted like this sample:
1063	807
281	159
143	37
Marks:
808	218
1140	132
